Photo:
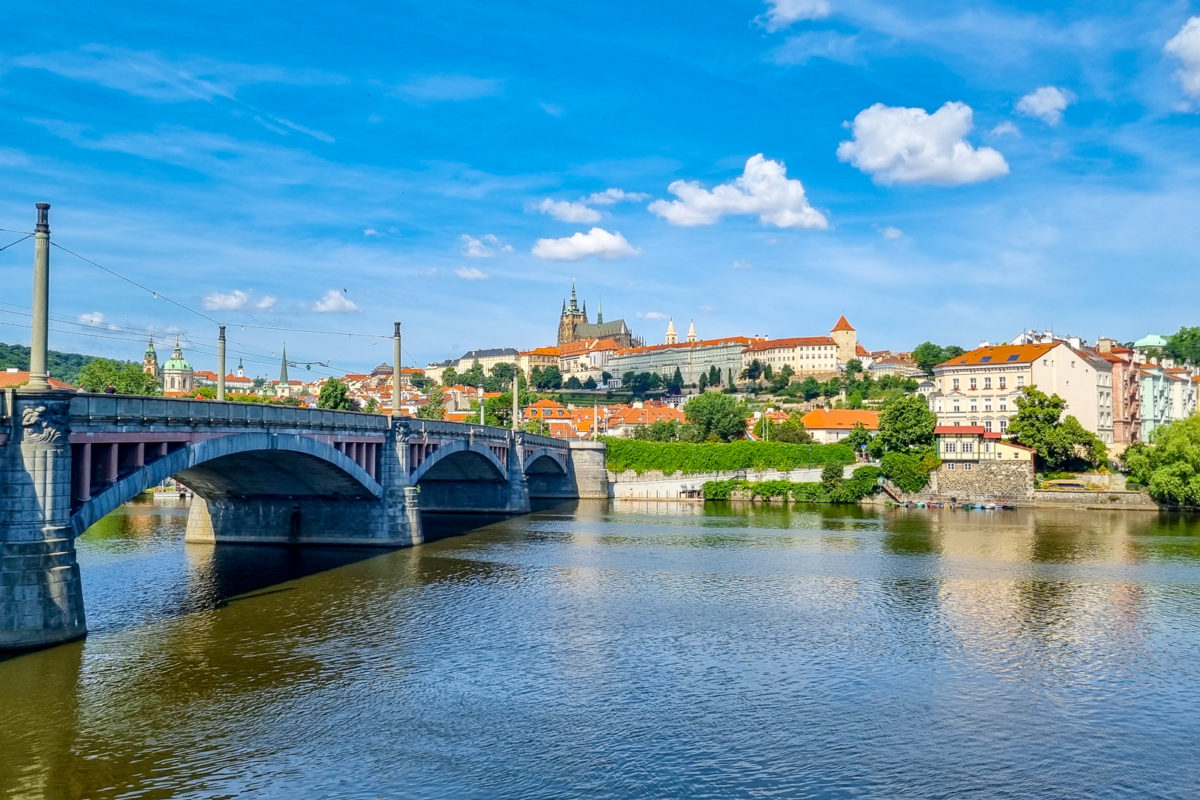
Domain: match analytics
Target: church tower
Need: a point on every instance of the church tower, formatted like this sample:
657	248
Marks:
150	361
672	336
692	331
572	317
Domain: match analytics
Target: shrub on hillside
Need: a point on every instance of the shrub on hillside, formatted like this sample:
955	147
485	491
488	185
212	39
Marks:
672	457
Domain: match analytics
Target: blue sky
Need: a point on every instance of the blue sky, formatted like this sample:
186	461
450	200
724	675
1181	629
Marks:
950	172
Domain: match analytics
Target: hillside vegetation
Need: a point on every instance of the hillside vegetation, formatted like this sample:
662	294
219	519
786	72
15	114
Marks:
672	457
64	366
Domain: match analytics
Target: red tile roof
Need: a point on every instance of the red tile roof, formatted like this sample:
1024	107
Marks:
742	340
950	430
1002	354
10	380
799	341
842	324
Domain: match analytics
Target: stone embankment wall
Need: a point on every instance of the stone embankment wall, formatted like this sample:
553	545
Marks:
1114	499
653	484
985	482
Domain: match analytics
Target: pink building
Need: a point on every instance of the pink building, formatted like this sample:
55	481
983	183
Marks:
1126	391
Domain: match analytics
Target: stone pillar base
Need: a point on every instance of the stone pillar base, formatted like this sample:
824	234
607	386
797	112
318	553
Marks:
41	597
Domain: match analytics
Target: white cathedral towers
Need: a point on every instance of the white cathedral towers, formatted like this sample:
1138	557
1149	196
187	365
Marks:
673	337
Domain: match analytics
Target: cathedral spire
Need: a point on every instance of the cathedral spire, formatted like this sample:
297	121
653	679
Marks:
283	376
600	311
574	307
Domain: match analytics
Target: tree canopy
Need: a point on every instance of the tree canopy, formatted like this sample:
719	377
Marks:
334	395
435	408
718	416
928	355
126	377
906	423
1058	440
1170	466
1184	345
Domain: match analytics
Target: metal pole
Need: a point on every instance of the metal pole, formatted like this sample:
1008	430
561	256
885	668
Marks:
41	301
482	419
396	370
221	363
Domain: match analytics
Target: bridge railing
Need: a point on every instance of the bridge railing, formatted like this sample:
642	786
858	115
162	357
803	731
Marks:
105	409
440	427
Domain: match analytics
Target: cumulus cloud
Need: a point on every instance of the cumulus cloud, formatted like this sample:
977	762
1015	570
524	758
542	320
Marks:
782	13
740	263
92	318
486	246
1006	128
1047	103
651	315
829	45
230	301
909	145
471	274
568	211
335	302
763	189
267	303
891	232
1185	46
596	242
612	196
371	232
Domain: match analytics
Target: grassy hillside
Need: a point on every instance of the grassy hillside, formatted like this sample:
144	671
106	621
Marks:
64	366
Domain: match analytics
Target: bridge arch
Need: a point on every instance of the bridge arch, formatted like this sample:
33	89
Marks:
543	461
241	464
461	460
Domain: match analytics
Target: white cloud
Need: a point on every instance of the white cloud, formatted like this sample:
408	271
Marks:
909	145
371	232
891	232
1185	46
804	47
740	263
432	88
92	318
1006	128
551	109
707	309
231	301
763	188
651	315
334	302
568	211
596	242
267	303
782	13
486	246
471	274
611	196
1047	103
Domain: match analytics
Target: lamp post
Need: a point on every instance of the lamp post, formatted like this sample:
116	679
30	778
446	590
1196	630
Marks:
396	370
38	375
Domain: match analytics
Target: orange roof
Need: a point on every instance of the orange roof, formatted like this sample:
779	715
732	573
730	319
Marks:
588	346
840	419
801	341
9	380
1002	354
206	374
859	350
842	324
354	376
644	416
541	351
653	348
545	402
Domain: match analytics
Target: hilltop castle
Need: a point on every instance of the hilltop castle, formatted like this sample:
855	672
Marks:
573	325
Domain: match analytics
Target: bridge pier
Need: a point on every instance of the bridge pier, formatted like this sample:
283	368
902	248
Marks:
300	520
41	598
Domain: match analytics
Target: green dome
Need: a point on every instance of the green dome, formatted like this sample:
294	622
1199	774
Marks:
1151	340
180	364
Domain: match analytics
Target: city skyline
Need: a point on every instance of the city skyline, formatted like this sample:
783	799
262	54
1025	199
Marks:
443	174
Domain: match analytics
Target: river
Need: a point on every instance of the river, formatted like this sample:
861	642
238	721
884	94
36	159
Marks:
629	651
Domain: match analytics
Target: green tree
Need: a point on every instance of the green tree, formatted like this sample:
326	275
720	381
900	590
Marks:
572	383
906	423
548	377
126	378
753	370
449	376
590	383
854	367
334	395
474	376
909	471
792	431
1184	345
928	355
435	408
831	477
714	376
675	386
703	382
1170	466
859	438
810	387
1039	423
372	405
854	400
717	416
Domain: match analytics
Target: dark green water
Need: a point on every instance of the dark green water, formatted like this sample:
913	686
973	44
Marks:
639	651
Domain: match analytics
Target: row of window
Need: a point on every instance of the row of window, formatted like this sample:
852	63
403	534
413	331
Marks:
1002	382
974	405
950	465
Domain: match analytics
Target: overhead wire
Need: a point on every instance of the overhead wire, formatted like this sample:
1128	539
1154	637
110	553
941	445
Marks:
18	241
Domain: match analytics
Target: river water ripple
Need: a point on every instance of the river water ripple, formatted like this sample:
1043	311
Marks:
631	651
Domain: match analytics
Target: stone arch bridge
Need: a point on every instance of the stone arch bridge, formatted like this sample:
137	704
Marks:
262	474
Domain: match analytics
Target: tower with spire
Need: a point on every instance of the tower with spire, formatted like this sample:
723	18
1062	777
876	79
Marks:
672	336
178	378
691	337
150	360
572	317
846	339
284	387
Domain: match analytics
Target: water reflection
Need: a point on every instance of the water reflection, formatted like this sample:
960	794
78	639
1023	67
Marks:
638	650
